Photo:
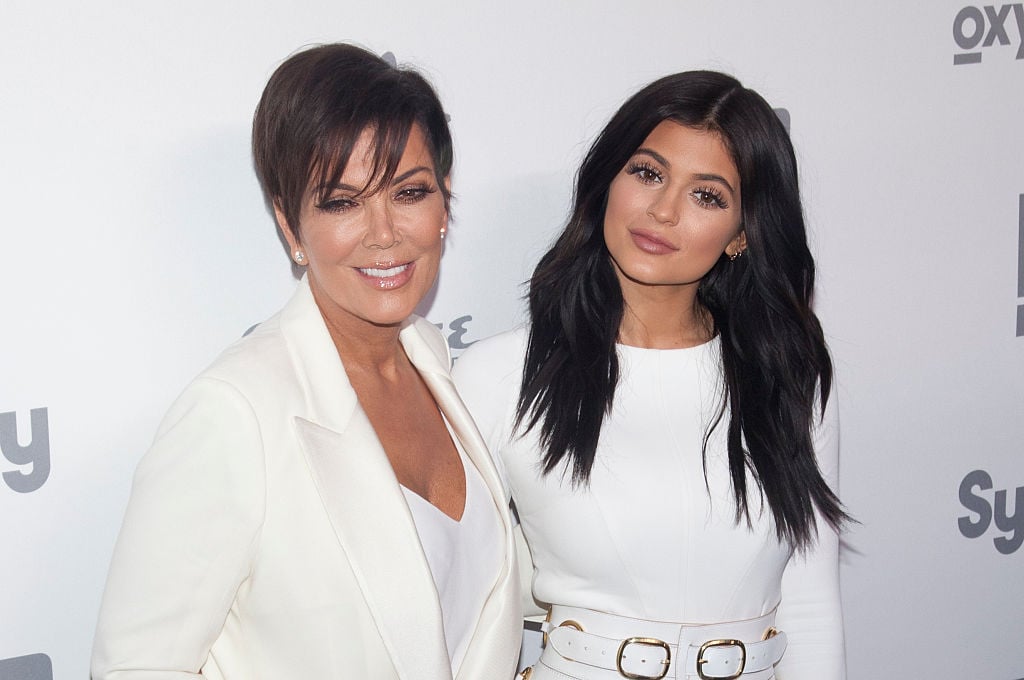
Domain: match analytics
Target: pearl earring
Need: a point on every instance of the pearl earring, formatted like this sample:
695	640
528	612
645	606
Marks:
299	257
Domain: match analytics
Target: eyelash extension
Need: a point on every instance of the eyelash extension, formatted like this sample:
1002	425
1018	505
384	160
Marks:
412	194
645	172
335	205
717	197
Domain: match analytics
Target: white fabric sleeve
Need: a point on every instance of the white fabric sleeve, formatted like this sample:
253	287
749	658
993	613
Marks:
489	387
811	611
487	376
188	538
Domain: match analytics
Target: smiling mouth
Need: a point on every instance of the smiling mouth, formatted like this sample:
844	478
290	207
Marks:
383	273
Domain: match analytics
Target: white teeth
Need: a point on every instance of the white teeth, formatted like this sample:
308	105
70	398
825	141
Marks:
384	273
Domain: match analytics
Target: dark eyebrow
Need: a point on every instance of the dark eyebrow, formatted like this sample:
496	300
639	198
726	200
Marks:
703	176
711	177
409	173
397	180
643	150
341	187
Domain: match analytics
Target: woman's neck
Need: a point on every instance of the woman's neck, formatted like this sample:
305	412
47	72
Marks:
663	317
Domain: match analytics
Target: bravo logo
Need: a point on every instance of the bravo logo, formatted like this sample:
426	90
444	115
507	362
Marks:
991	507
33	456
976	28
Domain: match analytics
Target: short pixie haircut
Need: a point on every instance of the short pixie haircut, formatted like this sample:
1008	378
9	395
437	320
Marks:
313	110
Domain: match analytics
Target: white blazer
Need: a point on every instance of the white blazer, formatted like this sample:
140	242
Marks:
267	536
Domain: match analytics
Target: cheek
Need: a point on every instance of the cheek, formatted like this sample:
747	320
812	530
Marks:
713	243
621	210
331	244
423	224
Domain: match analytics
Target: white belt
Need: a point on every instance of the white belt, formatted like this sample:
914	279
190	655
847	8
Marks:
652	650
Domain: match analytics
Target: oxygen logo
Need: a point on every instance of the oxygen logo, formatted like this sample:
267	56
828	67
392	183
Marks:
34	456
31	667
1020	267
974	28
988	511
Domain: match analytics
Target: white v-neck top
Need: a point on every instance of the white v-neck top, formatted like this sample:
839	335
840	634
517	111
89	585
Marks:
463	556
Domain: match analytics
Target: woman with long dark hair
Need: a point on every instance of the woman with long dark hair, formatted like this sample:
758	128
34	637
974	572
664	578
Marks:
665	425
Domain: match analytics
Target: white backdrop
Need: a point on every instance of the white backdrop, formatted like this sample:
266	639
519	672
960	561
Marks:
136	245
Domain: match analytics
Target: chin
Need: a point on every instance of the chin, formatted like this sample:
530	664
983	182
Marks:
392	315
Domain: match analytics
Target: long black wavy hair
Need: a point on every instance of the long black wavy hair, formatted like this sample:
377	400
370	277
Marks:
774	358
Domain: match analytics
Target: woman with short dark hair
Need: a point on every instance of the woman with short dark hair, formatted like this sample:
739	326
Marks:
665	425
318	502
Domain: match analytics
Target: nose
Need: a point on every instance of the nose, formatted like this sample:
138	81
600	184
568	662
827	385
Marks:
666	207
381	231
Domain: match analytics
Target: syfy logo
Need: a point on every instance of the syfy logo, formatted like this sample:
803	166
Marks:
985	512
35	453
31	667
973	28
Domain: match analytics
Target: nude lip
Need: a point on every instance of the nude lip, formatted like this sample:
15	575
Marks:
387	276
649	243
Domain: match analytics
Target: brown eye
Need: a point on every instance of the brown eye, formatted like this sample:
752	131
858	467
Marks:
645	173
413	194
710	197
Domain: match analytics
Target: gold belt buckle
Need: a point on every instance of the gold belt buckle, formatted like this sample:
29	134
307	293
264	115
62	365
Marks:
650	642
721	643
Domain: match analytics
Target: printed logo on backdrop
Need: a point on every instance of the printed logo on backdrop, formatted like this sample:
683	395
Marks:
990	508
457	335
31	667
32	457
980	29
456	339
390	58
783	115
1020	267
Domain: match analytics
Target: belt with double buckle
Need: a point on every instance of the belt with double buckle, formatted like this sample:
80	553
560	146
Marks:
685	654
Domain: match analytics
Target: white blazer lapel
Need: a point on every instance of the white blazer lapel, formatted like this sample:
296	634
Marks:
438	379
363	500
372	521
498	631
369	514
455	411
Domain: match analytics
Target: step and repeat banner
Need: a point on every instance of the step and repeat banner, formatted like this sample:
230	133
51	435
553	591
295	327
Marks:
136	245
